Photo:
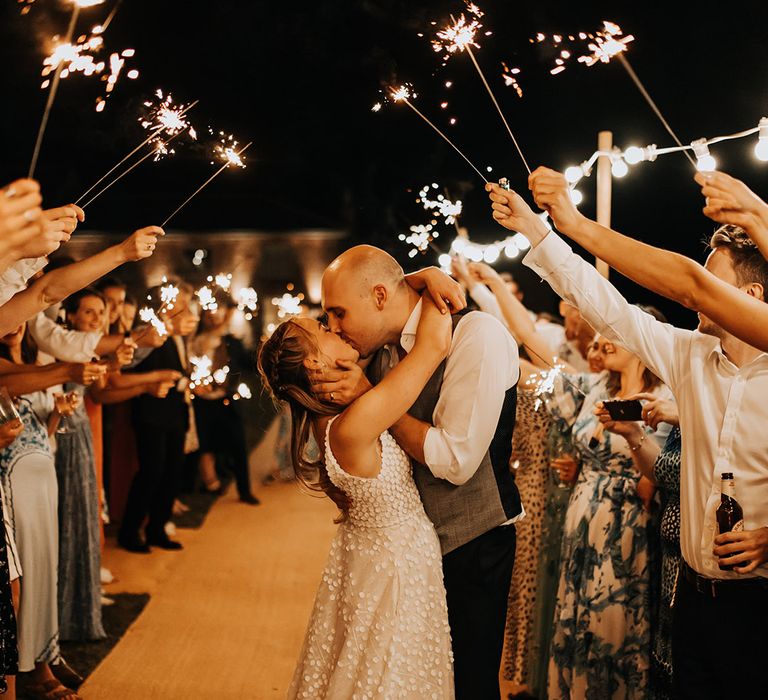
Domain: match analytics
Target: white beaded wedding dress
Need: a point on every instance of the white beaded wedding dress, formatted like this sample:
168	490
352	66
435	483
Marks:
379	627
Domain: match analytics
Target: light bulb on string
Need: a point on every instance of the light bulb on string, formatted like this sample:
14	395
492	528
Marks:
761	149
491	254
511	250
576	196
705	162
634	155
459	244
444	260
521	242
573	174
618	167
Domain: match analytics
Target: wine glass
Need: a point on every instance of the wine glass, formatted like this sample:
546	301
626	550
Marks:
8	412
70	402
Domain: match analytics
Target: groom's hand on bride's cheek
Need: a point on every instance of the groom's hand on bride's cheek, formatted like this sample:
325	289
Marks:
340	385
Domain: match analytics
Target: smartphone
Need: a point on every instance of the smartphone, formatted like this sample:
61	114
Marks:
624	410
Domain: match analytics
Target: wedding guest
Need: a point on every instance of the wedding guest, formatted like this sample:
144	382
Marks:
114	292
720	383
54	286
161	426
218	416
662	467
29	477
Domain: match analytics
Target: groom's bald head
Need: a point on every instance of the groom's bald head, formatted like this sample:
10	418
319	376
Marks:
359	290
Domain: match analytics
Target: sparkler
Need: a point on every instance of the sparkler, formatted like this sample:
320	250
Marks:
243	392
160	149
148	315
223	280
231	157
510	78
605	45
201	371
402	94
207	299
168	295
76	5
460	36
247	298
164	117
288	305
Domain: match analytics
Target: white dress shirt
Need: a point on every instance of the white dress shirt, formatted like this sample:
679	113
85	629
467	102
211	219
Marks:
482	364
62	344
15	278
723	411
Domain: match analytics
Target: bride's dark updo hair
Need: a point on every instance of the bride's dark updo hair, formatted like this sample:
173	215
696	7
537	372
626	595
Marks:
281	365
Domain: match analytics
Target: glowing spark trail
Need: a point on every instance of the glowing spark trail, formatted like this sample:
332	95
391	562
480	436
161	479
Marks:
160	149
164	118
233	158
148	315
402	94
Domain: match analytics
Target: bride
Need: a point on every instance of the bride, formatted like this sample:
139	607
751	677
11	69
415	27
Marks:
379	627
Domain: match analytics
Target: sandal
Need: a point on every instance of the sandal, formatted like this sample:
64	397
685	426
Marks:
49	690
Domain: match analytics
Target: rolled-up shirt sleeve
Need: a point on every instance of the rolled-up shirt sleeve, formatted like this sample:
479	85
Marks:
657	344
63	344
15	278
482	364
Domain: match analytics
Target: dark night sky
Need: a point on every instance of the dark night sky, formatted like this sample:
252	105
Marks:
298	79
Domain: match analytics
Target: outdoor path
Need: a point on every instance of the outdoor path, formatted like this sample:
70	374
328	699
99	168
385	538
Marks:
227	615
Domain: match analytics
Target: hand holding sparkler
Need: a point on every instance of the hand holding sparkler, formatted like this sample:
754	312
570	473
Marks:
552	194
19	216
57	225
730	201
141	244
513	213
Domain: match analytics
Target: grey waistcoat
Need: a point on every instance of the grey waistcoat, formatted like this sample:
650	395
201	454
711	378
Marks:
490	497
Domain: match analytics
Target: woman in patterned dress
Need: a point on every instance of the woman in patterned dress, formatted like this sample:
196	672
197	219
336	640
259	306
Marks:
663	469
379	627
601	642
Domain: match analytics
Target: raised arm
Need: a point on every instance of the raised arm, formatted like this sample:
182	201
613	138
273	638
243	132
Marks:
579	283
24	379
59	284
375	411
669	274
446	293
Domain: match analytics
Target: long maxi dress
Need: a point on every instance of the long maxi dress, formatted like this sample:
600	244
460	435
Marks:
379	627
79	597
601	644
29	484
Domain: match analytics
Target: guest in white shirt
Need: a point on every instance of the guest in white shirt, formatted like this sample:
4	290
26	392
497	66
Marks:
720	384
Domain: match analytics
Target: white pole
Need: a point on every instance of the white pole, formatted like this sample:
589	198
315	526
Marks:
605	145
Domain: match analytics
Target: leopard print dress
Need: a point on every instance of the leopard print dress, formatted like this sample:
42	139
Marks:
531	463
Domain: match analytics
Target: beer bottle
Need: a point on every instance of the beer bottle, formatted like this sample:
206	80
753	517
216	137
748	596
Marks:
730	517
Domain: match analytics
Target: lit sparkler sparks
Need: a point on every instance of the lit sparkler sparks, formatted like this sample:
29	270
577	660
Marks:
544	383
460	36
448	209
509	75
201	371
223	280
148	315
169	292
226	151
221	374
247	301
163	118
420	238
55	82
207	299
456	37
288	304
243	392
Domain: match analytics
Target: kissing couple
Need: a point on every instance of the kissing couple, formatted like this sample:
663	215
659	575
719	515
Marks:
413	408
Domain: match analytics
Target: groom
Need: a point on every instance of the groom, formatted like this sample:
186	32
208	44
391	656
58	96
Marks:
459	435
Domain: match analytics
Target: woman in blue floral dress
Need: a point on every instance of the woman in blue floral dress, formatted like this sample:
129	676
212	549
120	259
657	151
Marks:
602	638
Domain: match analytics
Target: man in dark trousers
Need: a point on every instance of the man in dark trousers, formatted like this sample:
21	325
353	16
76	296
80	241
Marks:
160	426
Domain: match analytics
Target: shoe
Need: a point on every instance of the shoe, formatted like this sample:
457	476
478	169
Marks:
250	499
179	508
165	543
134	544
214	488
170	529
106	601
106	575
65	674
47	690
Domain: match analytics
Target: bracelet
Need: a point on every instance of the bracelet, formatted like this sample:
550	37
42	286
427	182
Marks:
637	447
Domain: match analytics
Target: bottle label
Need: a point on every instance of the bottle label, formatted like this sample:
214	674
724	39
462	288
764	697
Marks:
738	526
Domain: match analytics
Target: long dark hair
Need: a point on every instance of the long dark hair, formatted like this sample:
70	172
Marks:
28	349
281	365
650	380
